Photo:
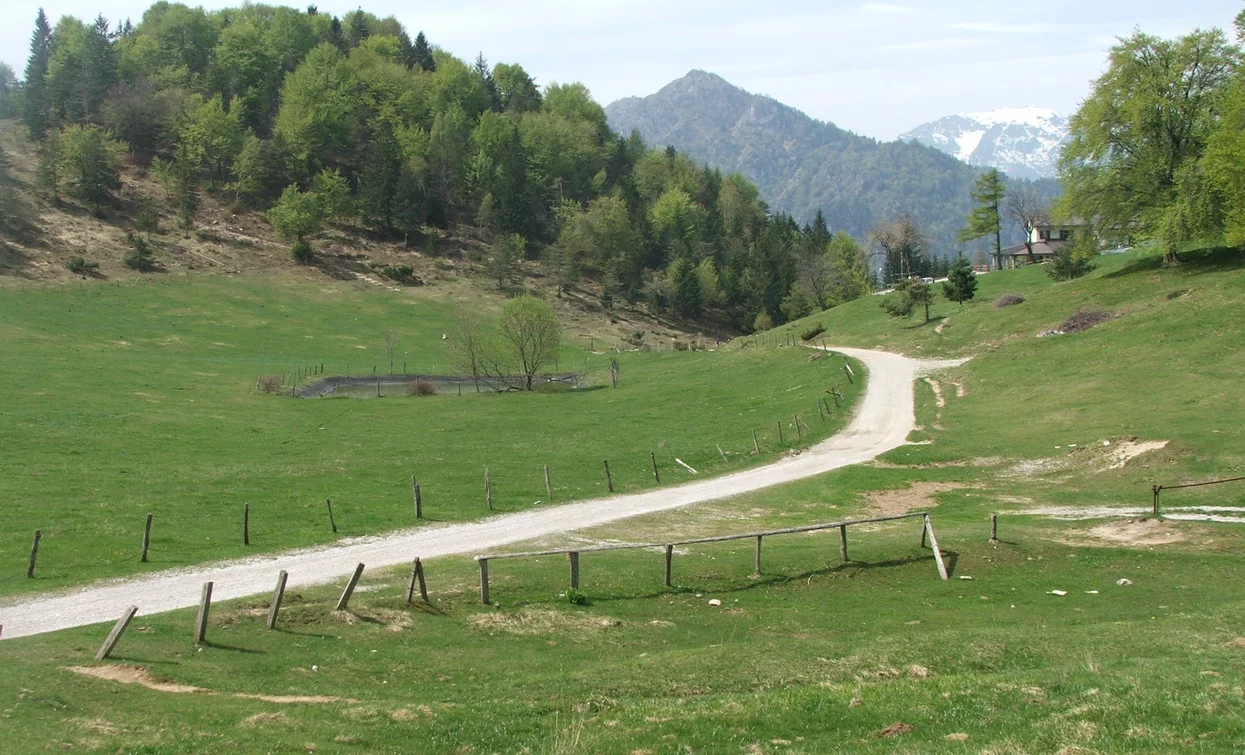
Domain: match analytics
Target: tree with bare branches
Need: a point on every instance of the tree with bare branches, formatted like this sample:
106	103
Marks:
1029	209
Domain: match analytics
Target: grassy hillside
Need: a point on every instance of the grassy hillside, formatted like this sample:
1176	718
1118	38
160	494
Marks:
876	655
140	397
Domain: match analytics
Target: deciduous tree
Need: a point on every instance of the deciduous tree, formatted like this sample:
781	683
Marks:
531	334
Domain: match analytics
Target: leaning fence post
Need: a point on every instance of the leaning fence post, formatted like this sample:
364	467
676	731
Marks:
115	635
669	559
843	542
609	481
350	586
34	555
488	490
332	522
721	452
277	595
656	475
146	539
417	577
484	581
574	557
820	413
246	524
205	605
419	501
755	445
933	544
548	484
795	420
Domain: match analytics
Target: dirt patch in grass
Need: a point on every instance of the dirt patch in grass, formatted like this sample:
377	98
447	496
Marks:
1125	451
261	719
139	675
530	621
1136	532
1099	456
899	728
919	496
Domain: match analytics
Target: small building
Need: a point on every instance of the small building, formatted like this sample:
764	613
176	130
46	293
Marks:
1047	239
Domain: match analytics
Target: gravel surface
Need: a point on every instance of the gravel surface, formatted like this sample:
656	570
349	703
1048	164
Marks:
884	418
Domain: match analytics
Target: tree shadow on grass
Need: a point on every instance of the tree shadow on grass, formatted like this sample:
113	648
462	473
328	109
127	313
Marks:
933	320
231	648
1195	262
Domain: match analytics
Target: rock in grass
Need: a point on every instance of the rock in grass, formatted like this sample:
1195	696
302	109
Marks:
896	729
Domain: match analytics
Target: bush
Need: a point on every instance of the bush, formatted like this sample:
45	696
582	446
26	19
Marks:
1008	300
762	322
1085	319
812	332
421	388
1067	266
146	218
576	597
680	346
635	339
139	257
269	384
81	267
302	253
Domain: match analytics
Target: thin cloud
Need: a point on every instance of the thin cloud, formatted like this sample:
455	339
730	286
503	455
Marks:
989	27
886	8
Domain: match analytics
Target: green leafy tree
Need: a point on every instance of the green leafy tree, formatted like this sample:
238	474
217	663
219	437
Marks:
378	184
961	283
516	91
1145	124
35	104
985	219
319	109
531	334
9	89
849	271
507	251
213	137
910	294
333	192
574	102
297	214
256	171
48	173
183	177
89	162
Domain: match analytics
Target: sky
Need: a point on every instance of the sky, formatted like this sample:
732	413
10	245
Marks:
876	68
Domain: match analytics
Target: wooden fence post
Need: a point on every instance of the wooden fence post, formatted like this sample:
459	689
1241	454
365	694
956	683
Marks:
994	528
205	605
720	452
146	539
669	559
34	555
795	420
924	533
757	567
417	577
350	586
277	595
484	581
848	371
1156	489
548	484
843	542
656	475
933	543
574	556
488	490
246	524
115	635
780	440
332	522
419	501
755	445
820	413
609	481
836	400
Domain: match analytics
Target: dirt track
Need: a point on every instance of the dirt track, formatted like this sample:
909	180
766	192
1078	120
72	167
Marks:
883	420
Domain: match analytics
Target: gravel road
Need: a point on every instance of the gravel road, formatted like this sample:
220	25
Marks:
882	422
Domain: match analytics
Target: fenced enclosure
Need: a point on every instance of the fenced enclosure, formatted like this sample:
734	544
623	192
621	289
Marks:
1158	489
368	386
573	554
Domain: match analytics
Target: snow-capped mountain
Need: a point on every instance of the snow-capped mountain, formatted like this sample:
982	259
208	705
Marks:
1021	142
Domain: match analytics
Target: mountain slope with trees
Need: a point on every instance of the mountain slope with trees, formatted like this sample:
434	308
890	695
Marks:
803	165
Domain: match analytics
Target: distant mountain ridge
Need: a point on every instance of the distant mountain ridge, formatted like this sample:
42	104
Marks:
1021	142
801	164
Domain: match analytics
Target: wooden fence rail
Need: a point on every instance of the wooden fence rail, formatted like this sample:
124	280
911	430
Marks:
927	534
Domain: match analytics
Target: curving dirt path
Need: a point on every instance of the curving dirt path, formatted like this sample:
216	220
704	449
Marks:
883	420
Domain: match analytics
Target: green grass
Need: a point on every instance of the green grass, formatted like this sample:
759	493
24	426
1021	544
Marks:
123	400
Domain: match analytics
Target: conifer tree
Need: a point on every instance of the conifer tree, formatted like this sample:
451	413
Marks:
378	184
34	112
984	220
423	53
961	283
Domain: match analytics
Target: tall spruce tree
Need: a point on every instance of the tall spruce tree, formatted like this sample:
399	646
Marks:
35	109
423	53
984	220
378	184
961	283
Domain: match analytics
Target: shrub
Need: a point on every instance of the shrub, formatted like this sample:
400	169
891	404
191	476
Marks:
1008	300
81	267
302	252
1067	266
421	388
146	218
269	384
812	332
1084	320
762	322
576	597
680	346
139	257
635	339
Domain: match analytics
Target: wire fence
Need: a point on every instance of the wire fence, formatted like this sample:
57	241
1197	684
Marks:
1157	489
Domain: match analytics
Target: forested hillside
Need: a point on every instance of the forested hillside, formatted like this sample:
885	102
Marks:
315	121
802	165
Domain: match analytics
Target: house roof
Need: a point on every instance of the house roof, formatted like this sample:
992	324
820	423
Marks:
1040	249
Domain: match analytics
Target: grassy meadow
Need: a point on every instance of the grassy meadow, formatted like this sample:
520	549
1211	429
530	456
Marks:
813	655
121	400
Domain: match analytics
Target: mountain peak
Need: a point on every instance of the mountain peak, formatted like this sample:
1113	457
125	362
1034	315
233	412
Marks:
1023	142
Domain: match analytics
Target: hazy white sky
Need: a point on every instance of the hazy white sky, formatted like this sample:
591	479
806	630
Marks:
877	68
